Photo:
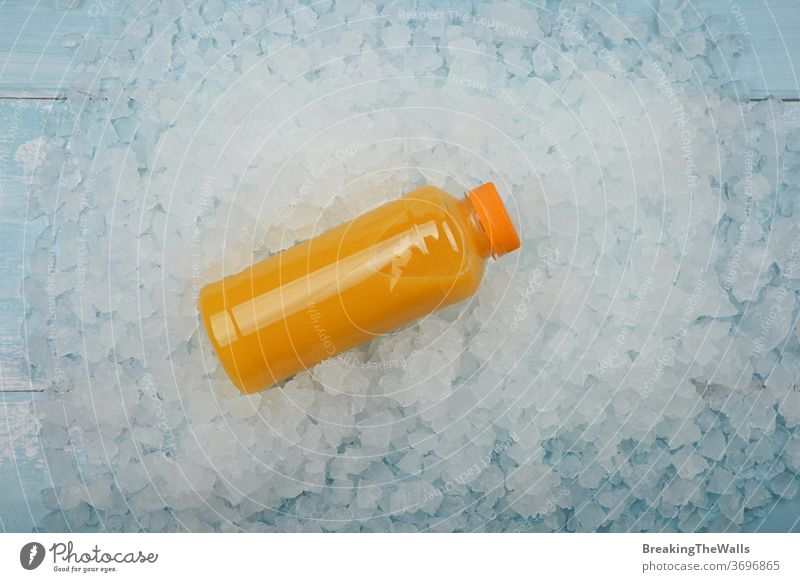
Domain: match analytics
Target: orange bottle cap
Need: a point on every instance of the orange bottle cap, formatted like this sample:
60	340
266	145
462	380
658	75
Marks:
494	219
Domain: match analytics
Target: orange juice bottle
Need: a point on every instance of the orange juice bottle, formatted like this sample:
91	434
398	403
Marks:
383	269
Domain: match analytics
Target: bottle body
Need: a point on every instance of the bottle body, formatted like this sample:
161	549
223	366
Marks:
349	285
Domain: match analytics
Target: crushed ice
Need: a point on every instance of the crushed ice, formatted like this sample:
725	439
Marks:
633	368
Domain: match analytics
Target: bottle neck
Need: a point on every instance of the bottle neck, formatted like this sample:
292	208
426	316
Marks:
474	227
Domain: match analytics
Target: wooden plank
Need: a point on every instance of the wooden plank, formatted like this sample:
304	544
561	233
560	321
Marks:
772	46
770	35
20	152
23	474
23	468
21	461
36	41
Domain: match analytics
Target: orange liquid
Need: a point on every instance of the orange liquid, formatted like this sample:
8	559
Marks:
345	287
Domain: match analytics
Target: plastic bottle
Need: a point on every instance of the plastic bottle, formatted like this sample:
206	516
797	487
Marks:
360	280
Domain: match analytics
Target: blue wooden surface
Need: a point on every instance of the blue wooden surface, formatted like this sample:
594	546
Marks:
37	54
24	474
37	39
21	465
770	33
37	44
